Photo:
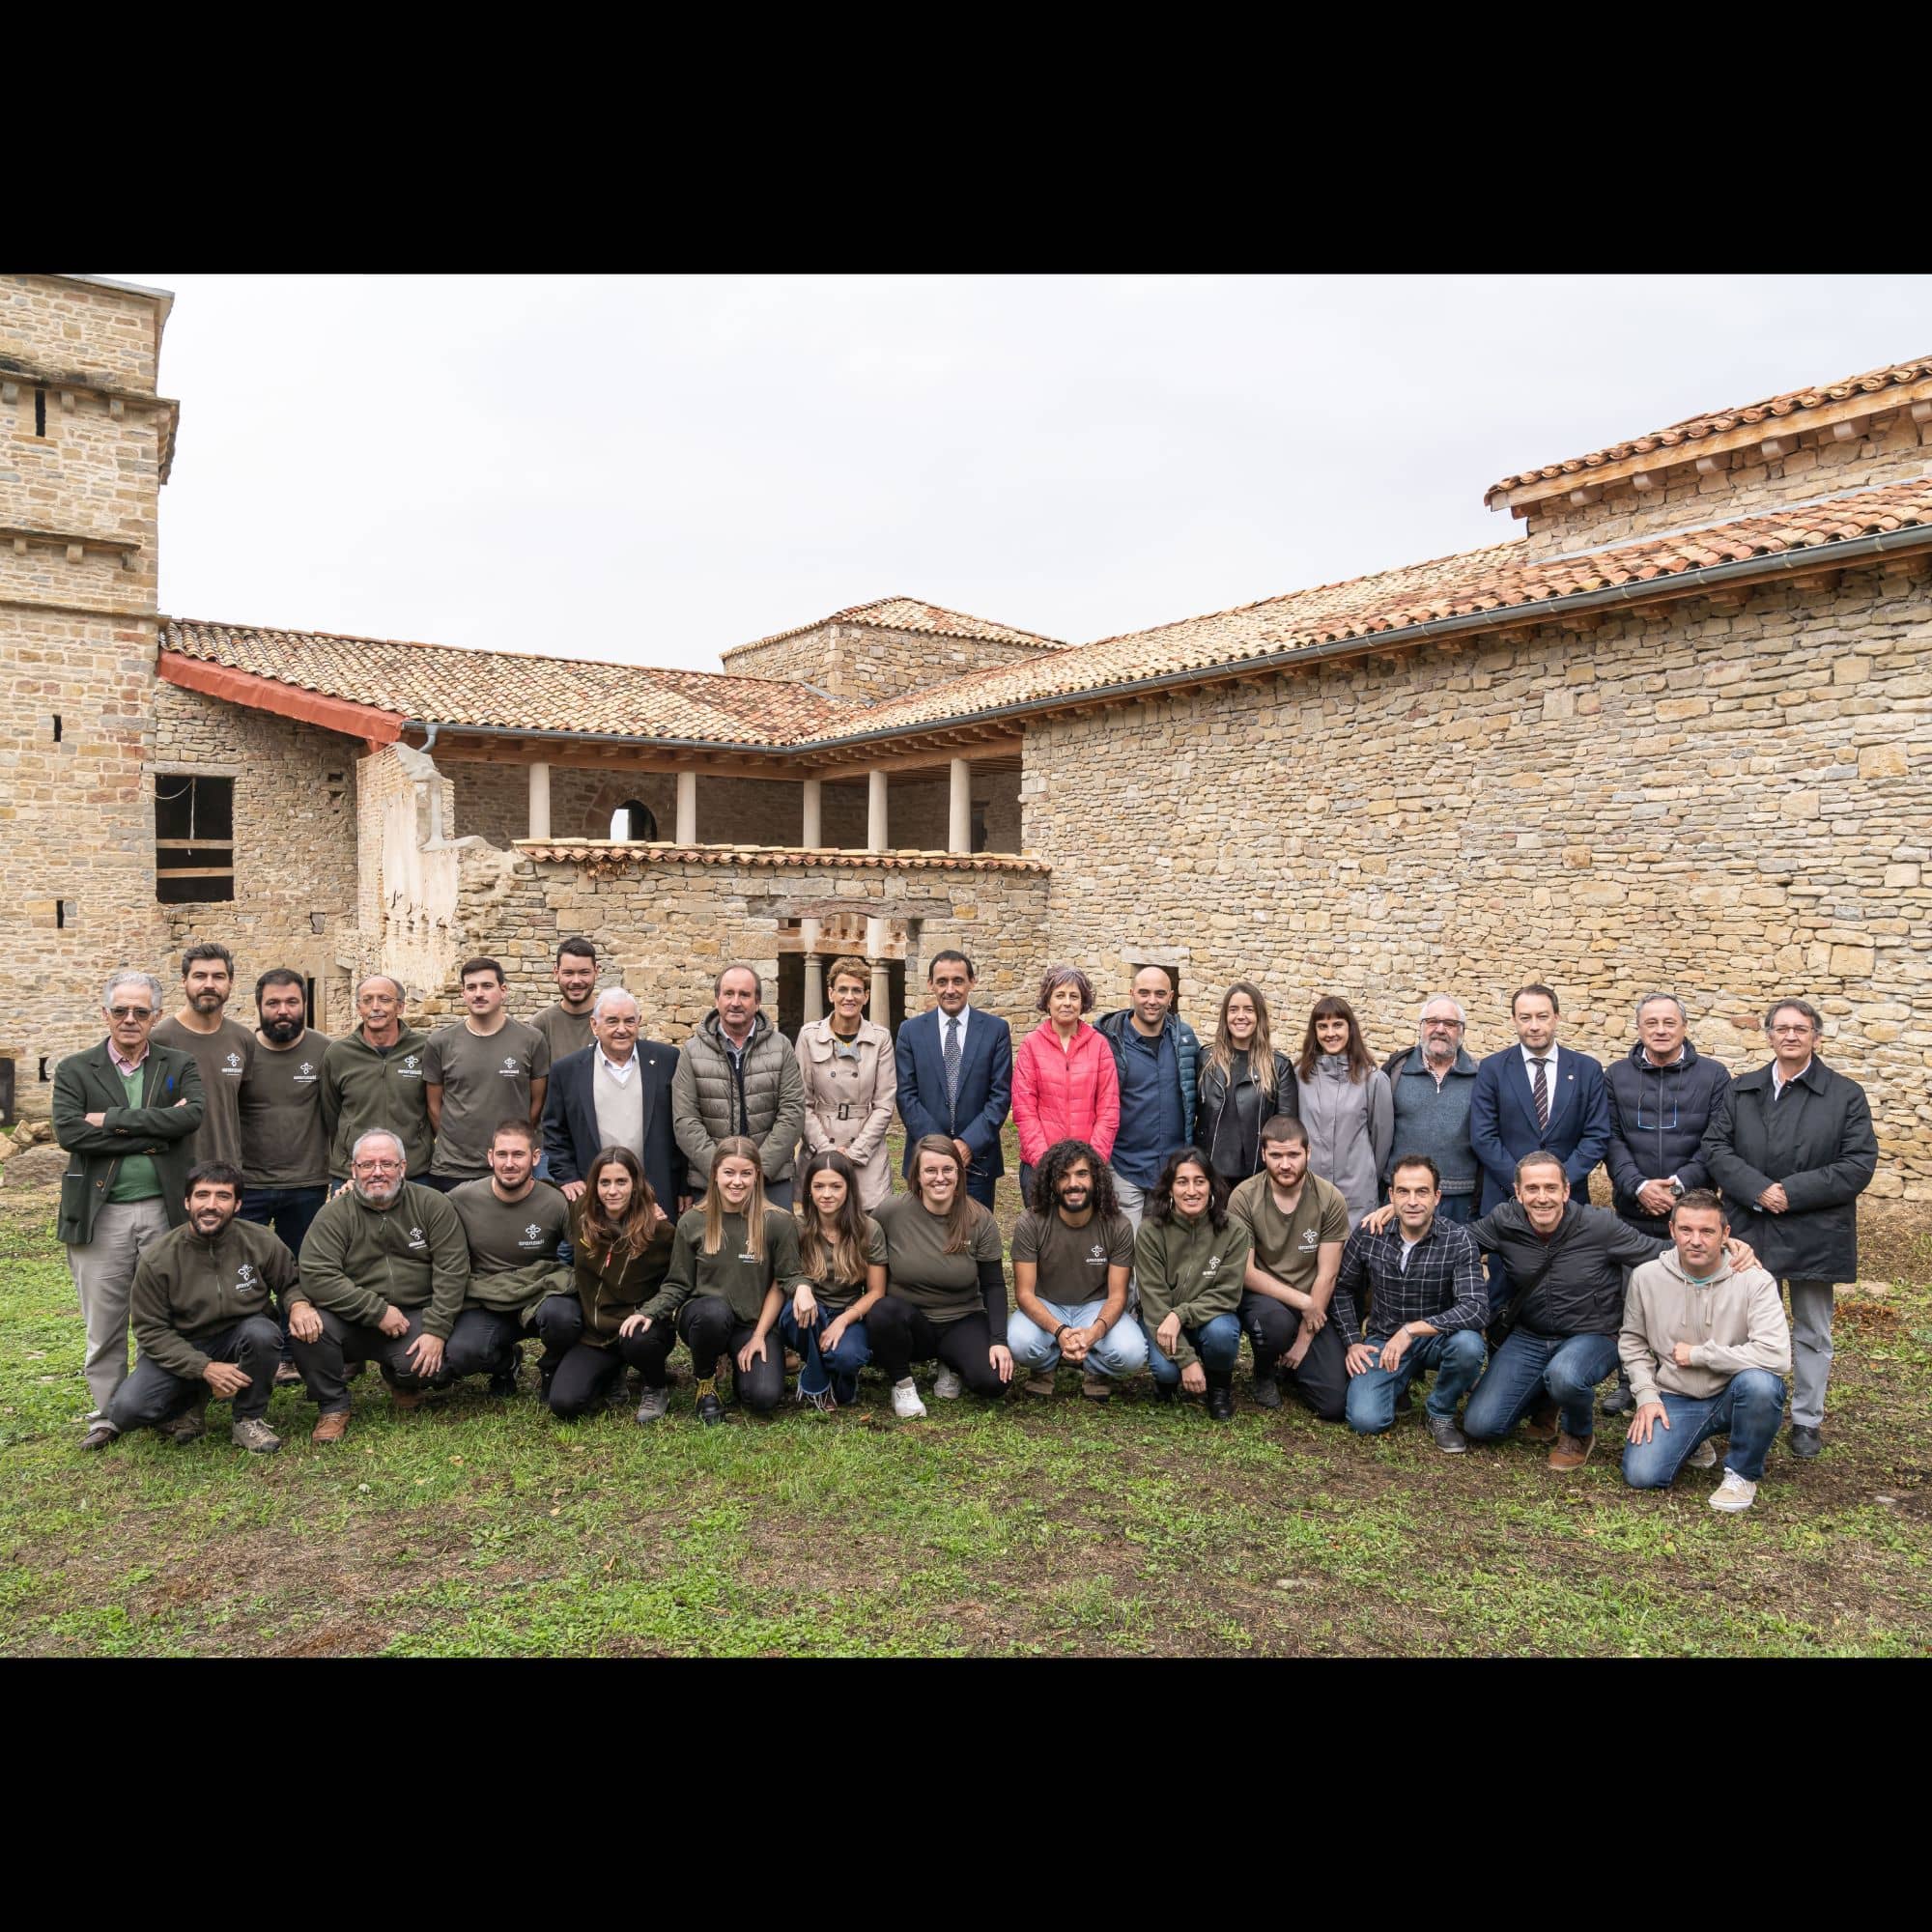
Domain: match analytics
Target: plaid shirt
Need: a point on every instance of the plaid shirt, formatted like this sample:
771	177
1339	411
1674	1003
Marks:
1442	1285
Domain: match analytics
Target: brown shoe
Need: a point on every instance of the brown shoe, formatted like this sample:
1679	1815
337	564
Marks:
287	1375
407	1399
1542	1424
1097	1388
1572	1452
331	1427
1041	1382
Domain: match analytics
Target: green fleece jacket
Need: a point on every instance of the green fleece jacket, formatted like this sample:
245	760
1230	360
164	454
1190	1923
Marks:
730	1272
1192	1270
360	1260
362	1089
188	1290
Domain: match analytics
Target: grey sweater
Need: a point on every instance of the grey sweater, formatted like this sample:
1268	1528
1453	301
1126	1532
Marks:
1435	1119
1351	1126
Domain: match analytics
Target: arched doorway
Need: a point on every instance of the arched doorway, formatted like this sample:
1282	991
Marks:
633	821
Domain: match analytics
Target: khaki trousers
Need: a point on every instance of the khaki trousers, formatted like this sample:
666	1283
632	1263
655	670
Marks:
103	1276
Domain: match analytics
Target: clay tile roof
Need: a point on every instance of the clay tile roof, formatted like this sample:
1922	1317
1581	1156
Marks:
598	853
1495	578
1874	382
454	686
908	613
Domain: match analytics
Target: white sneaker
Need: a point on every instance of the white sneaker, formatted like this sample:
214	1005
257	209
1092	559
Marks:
1703	1456
947	1385
1733	1493
907	1404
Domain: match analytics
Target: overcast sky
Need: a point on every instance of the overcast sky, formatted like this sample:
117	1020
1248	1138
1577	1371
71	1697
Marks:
659	468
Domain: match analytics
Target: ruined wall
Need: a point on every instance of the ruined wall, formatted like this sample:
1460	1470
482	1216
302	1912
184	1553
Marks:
1729	800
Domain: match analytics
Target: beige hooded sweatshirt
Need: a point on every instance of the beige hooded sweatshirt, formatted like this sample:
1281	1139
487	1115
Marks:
1731	1321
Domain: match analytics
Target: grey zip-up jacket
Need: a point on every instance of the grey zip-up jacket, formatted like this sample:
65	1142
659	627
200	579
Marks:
761	1097
1732	1322
1351	1130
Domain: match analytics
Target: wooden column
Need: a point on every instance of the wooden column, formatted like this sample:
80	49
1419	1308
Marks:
539	801
687	807
959	808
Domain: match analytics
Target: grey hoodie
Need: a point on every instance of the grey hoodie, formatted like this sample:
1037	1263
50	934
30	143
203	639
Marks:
1732	1322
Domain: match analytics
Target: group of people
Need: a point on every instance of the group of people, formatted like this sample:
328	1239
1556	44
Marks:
267	1205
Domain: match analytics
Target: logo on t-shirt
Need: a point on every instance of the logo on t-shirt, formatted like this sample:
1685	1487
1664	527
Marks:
1096	1256
1311	1240
510	1067
244	1275
534	1232
416	1239
305	1074
752	1259
1211	1264
411	1066
233	1064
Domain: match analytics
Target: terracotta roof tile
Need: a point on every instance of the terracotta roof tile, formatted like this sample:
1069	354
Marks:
908	613
1873	382
597	852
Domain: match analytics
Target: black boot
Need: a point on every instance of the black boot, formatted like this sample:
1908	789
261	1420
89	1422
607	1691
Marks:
1620	1401
503	1378
1221	1397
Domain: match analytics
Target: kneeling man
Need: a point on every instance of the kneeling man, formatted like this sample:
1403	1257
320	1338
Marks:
204	1310
383	1272
1707	1348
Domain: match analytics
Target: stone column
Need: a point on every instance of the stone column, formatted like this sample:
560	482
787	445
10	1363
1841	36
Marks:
687	807
812	831
539	801
959	808
875	946
814	975
878	837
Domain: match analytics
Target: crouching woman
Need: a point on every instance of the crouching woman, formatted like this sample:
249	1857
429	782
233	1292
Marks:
841	1255
1190	1258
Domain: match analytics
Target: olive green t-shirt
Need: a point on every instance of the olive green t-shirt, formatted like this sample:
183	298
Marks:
563	1032
943	1288
485	1080
1290	1245
733	1272
223	1059
837	1294
506	1235
1072	1262
284	1143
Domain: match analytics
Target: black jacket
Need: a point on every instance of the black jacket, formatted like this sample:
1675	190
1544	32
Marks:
1236	1116
1817	1143
1657	1118
1582	1290
570	1120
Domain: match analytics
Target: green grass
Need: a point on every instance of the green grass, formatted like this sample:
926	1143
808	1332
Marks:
1050	1529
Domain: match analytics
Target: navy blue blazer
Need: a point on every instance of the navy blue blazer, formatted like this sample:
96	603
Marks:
1502	1121
985	1094
570	1119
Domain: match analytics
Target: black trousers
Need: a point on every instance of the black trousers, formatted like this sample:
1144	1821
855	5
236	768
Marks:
1321	1382
901	1334
578	1373
479	1342
322	1360
708	1328
152	1394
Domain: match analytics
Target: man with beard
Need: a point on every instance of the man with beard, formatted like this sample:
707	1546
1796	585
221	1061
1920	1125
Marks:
1073	1255
206	1321
485	1068
384	1273
514	1225
221	1048
566	1026
374	1078
284	1143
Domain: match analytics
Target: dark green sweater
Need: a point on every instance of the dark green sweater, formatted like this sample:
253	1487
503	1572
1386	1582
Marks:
1191	1269
188	1290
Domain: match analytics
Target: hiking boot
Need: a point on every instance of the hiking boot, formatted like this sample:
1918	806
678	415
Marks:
1166	1391
947	1384
1444	1433
407	1399
1542	1425
255	1435
1620	1401
99	1435
1267	1389
189	1425
710	1410
907	1404
1733	1493
332	1427
503	1378
1097	1387
1572	1452
1039	1383
655	1402
1405	1402
287	1375
1221	1398
1805	1441
1703	1456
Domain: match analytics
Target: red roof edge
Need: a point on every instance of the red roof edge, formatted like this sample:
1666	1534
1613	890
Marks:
266	694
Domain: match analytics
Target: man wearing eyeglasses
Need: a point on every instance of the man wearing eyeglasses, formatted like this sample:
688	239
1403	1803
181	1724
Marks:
1433	1082
1662	1093
127	1112
383	1272
1792	1147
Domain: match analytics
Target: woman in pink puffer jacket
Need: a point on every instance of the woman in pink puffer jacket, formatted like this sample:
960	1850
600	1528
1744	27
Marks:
1065	1086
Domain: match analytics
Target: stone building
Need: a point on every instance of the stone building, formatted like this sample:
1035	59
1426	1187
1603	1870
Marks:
1676	734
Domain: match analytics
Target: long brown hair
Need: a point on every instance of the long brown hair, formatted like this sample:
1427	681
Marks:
628	1236
1333	1007
1261	1054
959	1216
737	1147
840	1257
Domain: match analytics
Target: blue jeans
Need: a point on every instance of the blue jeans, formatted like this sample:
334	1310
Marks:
842	1363
1122	1351
1748	1408
286	1211
1217	1342
1527	1368
1460	1207
1456	1358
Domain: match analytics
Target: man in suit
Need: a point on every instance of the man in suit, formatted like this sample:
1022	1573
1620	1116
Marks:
955	1069
615	1092
1535	1097
1792	1146
127	1111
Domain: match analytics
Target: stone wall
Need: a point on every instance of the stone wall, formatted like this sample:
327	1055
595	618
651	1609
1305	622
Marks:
865	663
69	328
1888	449
1731	800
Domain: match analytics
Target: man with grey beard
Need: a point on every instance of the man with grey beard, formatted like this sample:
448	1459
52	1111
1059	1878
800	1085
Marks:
384	1273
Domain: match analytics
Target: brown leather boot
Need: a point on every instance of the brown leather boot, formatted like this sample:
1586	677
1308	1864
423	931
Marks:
331	1427
407	1399
1542	1424
1572	1452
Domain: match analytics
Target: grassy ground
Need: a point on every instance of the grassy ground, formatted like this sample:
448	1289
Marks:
475	1526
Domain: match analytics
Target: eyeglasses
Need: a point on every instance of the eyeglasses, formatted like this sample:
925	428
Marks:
1793	1032
1452	1026
130	1013
378	1166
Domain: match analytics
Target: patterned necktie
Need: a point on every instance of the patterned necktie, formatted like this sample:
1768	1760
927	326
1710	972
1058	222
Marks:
952	1068
1539	1089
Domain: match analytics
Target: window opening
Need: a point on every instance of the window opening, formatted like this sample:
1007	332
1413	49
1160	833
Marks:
194	838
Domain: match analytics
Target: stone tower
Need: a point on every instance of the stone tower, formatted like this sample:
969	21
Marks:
85	444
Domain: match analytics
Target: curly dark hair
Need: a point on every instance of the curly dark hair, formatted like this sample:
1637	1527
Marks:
1055	1162
1160	1202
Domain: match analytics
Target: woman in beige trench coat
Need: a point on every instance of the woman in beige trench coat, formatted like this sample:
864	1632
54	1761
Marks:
850	1081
